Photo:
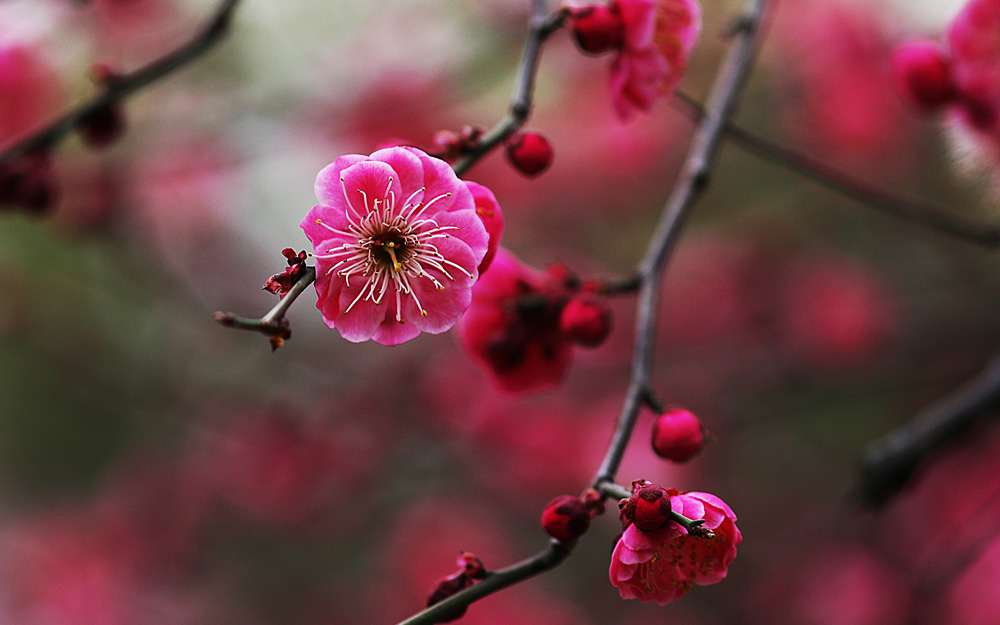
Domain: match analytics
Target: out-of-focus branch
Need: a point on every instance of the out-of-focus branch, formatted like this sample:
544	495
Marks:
926	213
888	463
693	180
542	26
126	84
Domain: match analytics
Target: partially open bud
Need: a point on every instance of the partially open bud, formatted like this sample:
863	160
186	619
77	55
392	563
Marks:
488	210
566	518
470	571
598	28
530	153
586	319
648	508
678	435
923	72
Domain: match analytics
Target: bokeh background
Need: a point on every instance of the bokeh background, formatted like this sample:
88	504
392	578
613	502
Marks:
158	468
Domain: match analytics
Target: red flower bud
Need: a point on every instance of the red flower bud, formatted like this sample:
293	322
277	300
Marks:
566	518
530	153
648	508
586	319
470	571
598	28
923	72
678	435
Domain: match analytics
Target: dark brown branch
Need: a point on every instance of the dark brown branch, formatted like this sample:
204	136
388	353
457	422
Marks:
495	581
124	85
541	27
273	324
889	463
926	213
693	180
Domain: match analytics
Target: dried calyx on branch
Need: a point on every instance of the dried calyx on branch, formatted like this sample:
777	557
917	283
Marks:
471	570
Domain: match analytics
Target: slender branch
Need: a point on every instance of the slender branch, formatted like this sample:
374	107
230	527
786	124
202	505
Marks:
124	85
889	462
693	180
551	557
929	214
541	27
272	324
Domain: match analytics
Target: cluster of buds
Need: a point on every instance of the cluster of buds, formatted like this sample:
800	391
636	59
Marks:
924	73
567	517
524	324
280	283
29	183
470	571
105	124
450	145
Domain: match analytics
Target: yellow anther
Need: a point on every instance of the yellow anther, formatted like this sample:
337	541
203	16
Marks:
423	313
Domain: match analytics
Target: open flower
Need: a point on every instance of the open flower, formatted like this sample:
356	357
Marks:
661	565
653	38
397	243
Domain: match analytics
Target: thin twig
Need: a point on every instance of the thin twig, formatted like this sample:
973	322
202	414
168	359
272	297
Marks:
694	177
889	462
124	85
929	214
542	561
273	323
542	25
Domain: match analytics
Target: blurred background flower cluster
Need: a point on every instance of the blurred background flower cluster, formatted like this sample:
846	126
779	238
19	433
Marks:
155	467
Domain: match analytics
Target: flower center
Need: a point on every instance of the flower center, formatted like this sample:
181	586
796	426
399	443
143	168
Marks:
389	245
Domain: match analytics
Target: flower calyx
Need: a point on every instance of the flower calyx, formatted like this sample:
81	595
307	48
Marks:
648	508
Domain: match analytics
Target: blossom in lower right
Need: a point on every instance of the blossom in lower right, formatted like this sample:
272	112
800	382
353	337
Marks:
661	565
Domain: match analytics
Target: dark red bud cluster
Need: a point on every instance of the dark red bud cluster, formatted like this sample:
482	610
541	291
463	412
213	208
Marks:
923	71
450	145
598	28
529	153
586	319
105	124
648	508
471	570
29	183
678	435
280	283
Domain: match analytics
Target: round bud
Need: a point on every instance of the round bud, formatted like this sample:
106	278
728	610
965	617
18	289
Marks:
678	435
648	508
530	153
566	518
598	28
923	72
586	319
103	126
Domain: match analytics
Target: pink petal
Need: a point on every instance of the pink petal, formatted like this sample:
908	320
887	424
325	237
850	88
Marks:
363	319
368	182
328	190
409	171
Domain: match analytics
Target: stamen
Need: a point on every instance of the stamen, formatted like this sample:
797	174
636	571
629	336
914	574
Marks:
415	213
343	186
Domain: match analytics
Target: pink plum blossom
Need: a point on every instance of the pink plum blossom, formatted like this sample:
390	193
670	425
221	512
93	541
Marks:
661	565
658	38
397	243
